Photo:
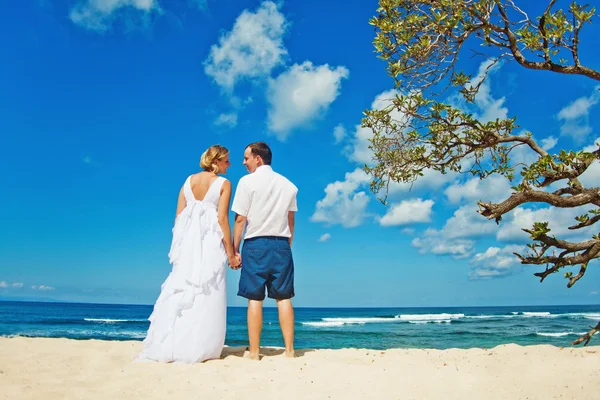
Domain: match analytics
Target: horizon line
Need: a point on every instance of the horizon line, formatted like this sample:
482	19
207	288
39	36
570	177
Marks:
298	307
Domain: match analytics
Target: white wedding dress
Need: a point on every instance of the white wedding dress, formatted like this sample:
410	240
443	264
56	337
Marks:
189	317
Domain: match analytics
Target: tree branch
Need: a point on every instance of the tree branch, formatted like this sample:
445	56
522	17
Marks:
547	65
587	336
496	211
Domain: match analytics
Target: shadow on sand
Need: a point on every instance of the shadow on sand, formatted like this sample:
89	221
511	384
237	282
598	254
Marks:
241	351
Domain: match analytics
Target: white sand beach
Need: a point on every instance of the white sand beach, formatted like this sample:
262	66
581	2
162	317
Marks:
37	368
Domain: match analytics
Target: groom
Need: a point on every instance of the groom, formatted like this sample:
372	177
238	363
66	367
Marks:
265	203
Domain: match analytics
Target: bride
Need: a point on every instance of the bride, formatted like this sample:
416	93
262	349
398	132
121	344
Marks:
189	317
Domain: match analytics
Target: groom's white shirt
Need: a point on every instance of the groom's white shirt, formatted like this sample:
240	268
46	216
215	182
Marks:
265	198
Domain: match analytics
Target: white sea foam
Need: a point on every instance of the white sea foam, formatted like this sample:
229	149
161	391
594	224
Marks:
111	321
429	317
559	334
544	314
324	324
438	321
592	315
361	320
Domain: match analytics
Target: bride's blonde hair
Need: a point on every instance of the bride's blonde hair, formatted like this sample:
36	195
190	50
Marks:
212	154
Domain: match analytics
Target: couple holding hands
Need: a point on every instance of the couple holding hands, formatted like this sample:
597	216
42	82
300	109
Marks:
188	323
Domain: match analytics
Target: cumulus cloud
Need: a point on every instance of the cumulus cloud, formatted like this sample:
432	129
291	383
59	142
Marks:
575	116
358	149
228	120
494	188
343	203
490	108
486	108
548	143
559	219
43	288
98	15
591	176
495	262
339	133
467	222
408	212
5	285
436	243
324	237
250	50
199	4
302	94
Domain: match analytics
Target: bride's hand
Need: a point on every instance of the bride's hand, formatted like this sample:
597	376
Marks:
235	262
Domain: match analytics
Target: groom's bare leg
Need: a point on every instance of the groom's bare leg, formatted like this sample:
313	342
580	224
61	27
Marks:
255	321
286	321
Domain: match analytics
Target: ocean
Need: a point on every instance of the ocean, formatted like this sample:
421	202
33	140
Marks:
332	328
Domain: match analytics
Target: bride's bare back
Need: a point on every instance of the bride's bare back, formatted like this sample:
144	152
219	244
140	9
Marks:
200	183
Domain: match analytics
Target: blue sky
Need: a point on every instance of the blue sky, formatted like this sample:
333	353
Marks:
106	106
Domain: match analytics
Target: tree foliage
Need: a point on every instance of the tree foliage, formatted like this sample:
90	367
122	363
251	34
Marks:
421	41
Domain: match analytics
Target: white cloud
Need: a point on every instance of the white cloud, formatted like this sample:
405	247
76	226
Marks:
199	4
325	237
490	109
358	151
98	15
4	285
302	94
494	188
408	212
548	143
42	287
339	133
467	222
435	243
594	293
559	219
486	107
591	177
343	204
575	116
495	262
229	120
251	49
408	231
431	180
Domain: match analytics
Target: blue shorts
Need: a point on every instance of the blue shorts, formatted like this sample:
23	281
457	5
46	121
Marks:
267	262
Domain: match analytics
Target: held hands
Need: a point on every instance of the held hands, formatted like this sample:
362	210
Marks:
235	261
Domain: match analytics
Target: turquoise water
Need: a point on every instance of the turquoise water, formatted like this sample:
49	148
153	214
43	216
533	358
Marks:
375	328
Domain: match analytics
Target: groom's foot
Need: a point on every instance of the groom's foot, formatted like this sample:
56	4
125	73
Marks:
251	356
290	354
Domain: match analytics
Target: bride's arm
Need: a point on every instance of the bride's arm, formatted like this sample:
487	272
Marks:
180	203
224	219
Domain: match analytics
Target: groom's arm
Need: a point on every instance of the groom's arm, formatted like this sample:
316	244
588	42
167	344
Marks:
241	206
291	223
238	232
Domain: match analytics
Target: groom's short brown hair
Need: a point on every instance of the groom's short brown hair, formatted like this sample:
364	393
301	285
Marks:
261	149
